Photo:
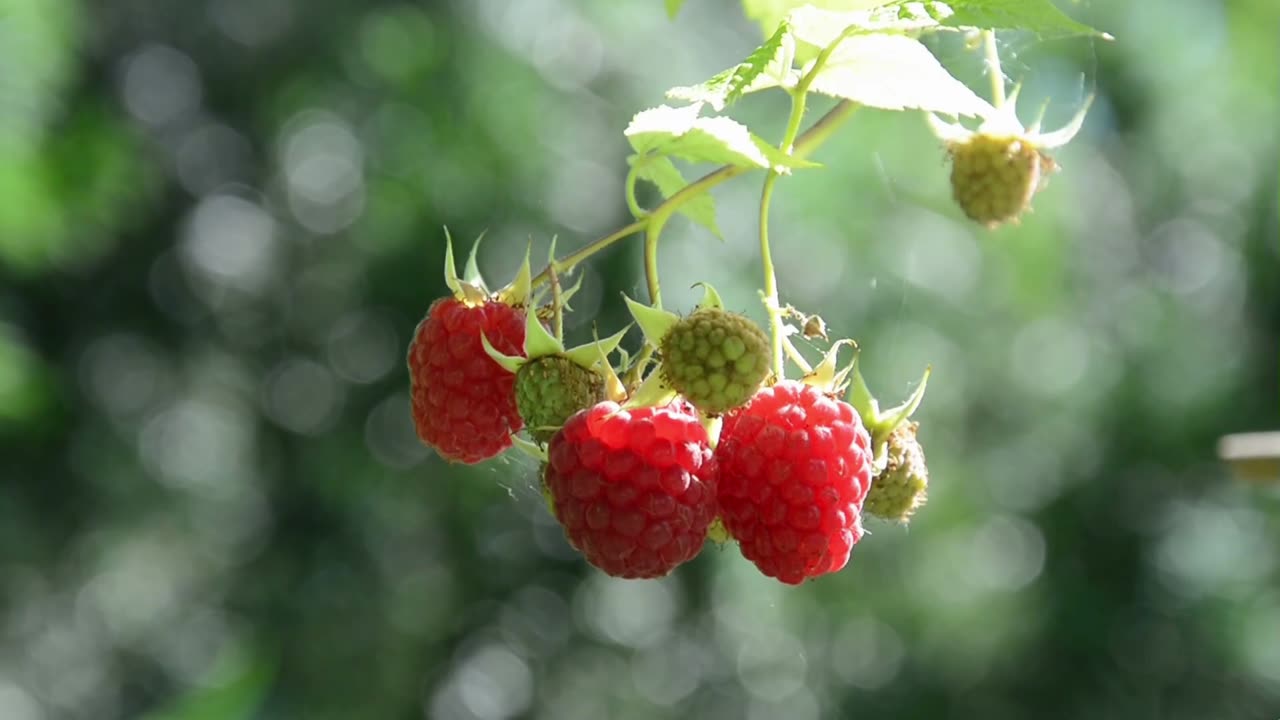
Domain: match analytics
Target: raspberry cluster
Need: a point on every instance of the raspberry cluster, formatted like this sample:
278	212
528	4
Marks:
700	441
700	434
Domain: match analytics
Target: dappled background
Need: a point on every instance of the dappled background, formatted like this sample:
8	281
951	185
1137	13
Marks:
220	221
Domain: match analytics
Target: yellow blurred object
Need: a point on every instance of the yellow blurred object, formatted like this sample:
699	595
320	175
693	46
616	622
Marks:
1254	457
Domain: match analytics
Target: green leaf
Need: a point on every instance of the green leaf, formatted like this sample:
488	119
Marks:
768	13
673	8
679	132
895	72
821	27
1039	16
768	66
663	173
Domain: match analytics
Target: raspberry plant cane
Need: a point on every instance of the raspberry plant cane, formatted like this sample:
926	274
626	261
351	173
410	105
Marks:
716	428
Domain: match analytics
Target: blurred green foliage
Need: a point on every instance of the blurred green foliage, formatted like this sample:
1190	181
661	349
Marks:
220	221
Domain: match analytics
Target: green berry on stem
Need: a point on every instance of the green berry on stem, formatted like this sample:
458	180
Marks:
716	359
997	169
993	178
551	388
902	485
552	383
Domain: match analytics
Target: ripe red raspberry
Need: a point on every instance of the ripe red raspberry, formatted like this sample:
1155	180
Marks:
795	467
634	489
464	403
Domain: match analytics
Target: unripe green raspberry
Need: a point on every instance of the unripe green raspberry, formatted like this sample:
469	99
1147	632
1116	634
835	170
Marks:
903	485
715	359
994	177
551	388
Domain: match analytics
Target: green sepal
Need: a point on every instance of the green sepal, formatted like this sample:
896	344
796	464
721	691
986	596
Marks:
596	351
710	298
890	419
530	448
1038	121
654	322
538	341
653	392
510	363
947	132
1064	135
860	397
471	273
717	532
713	425
827	375
613	388
567	294
881	424
517	293
468	292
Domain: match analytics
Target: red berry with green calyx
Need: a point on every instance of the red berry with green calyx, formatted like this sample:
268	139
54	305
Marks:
634	489
795	466
463	402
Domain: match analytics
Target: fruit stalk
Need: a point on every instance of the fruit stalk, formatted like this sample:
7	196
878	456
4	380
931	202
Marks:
805	144
993	68
799	96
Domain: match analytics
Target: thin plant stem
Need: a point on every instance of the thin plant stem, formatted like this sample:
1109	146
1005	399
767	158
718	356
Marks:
770	277
799	97
651	236
993	68
638	367
568	262
632	204
795	356
805	144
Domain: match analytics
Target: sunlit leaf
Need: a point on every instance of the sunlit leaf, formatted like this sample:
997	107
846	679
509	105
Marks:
768	13
895	72
1039	16
769	65
680	132
663	173
821	27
